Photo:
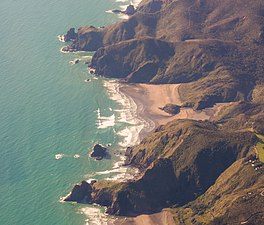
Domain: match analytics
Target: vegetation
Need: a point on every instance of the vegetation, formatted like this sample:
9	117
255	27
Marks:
206	170
260	148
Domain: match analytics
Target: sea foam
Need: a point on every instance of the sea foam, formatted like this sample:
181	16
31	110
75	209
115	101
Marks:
94	216
128	135
104	121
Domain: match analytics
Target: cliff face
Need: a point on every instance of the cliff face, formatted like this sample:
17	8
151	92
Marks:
181	161
235	198
206	41
148	56
201	169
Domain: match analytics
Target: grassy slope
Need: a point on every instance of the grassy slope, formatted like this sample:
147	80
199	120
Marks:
216	48
235	197
260	148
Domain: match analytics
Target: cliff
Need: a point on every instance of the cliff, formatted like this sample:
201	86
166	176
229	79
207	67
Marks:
197	42
180	161
214	48
235	198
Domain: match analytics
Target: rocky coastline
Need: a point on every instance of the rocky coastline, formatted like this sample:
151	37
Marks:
202	170
130	10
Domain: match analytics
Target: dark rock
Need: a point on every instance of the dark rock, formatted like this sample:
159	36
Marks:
150	6
76	61
80	193
70	35
89	39
115	60
171	109
99	152
130	10
69	49
117	11
128	155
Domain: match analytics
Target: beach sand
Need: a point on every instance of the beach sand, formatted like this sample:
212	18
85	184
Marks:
150	98
162	218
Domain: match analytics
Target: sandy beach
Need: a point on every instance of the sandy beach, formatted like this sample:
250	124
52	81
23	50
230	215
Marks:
162	218
150	98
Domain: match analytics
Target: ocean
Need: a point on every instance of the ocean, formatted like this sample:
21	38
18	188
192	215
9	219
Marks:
48	112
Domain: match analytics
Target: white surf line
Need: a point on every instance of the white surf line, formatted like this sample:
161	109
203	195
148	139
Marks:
129	134
104	121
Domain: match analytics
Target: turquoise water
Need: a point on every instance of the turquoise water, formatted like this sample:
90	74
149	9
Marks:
47	109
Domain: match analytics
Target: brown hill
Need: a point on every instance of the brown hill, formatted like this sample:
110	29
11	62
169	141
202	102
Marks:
235	198
215	49
207	41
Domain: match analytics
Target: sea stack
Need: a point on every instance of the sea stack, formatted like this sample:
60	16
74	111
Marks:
98	152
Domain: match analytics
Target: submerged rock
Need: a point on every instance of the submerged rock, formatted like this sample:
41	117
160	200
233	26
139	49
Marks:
80	193
99	152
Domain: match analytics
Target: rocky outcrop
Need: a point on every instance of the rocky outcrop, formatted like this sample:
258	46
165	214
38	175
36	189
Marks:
130	10
235	198
98	152
150	6
209	40
88	39
80	193
70	35
201	44
179	162
171	109
149	56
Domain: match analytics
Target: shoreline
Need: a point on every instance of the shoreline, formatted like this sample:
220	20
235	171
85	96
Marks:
149	124
149	98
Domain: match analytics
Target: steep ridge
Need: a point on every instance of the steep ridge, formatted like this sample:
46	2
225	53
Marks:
235	198
214	48
213	40
180	161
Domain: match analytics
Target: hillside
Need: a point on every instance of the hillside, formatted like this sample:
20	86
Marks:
208	41
200	169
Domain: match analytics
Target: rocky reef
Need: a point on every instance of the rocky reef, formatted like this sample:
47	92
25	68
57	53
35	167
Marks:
80	193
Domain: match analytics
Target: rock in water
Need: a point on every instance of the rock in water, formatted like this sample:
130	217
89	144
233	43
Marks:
99	152
80	193
70	35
